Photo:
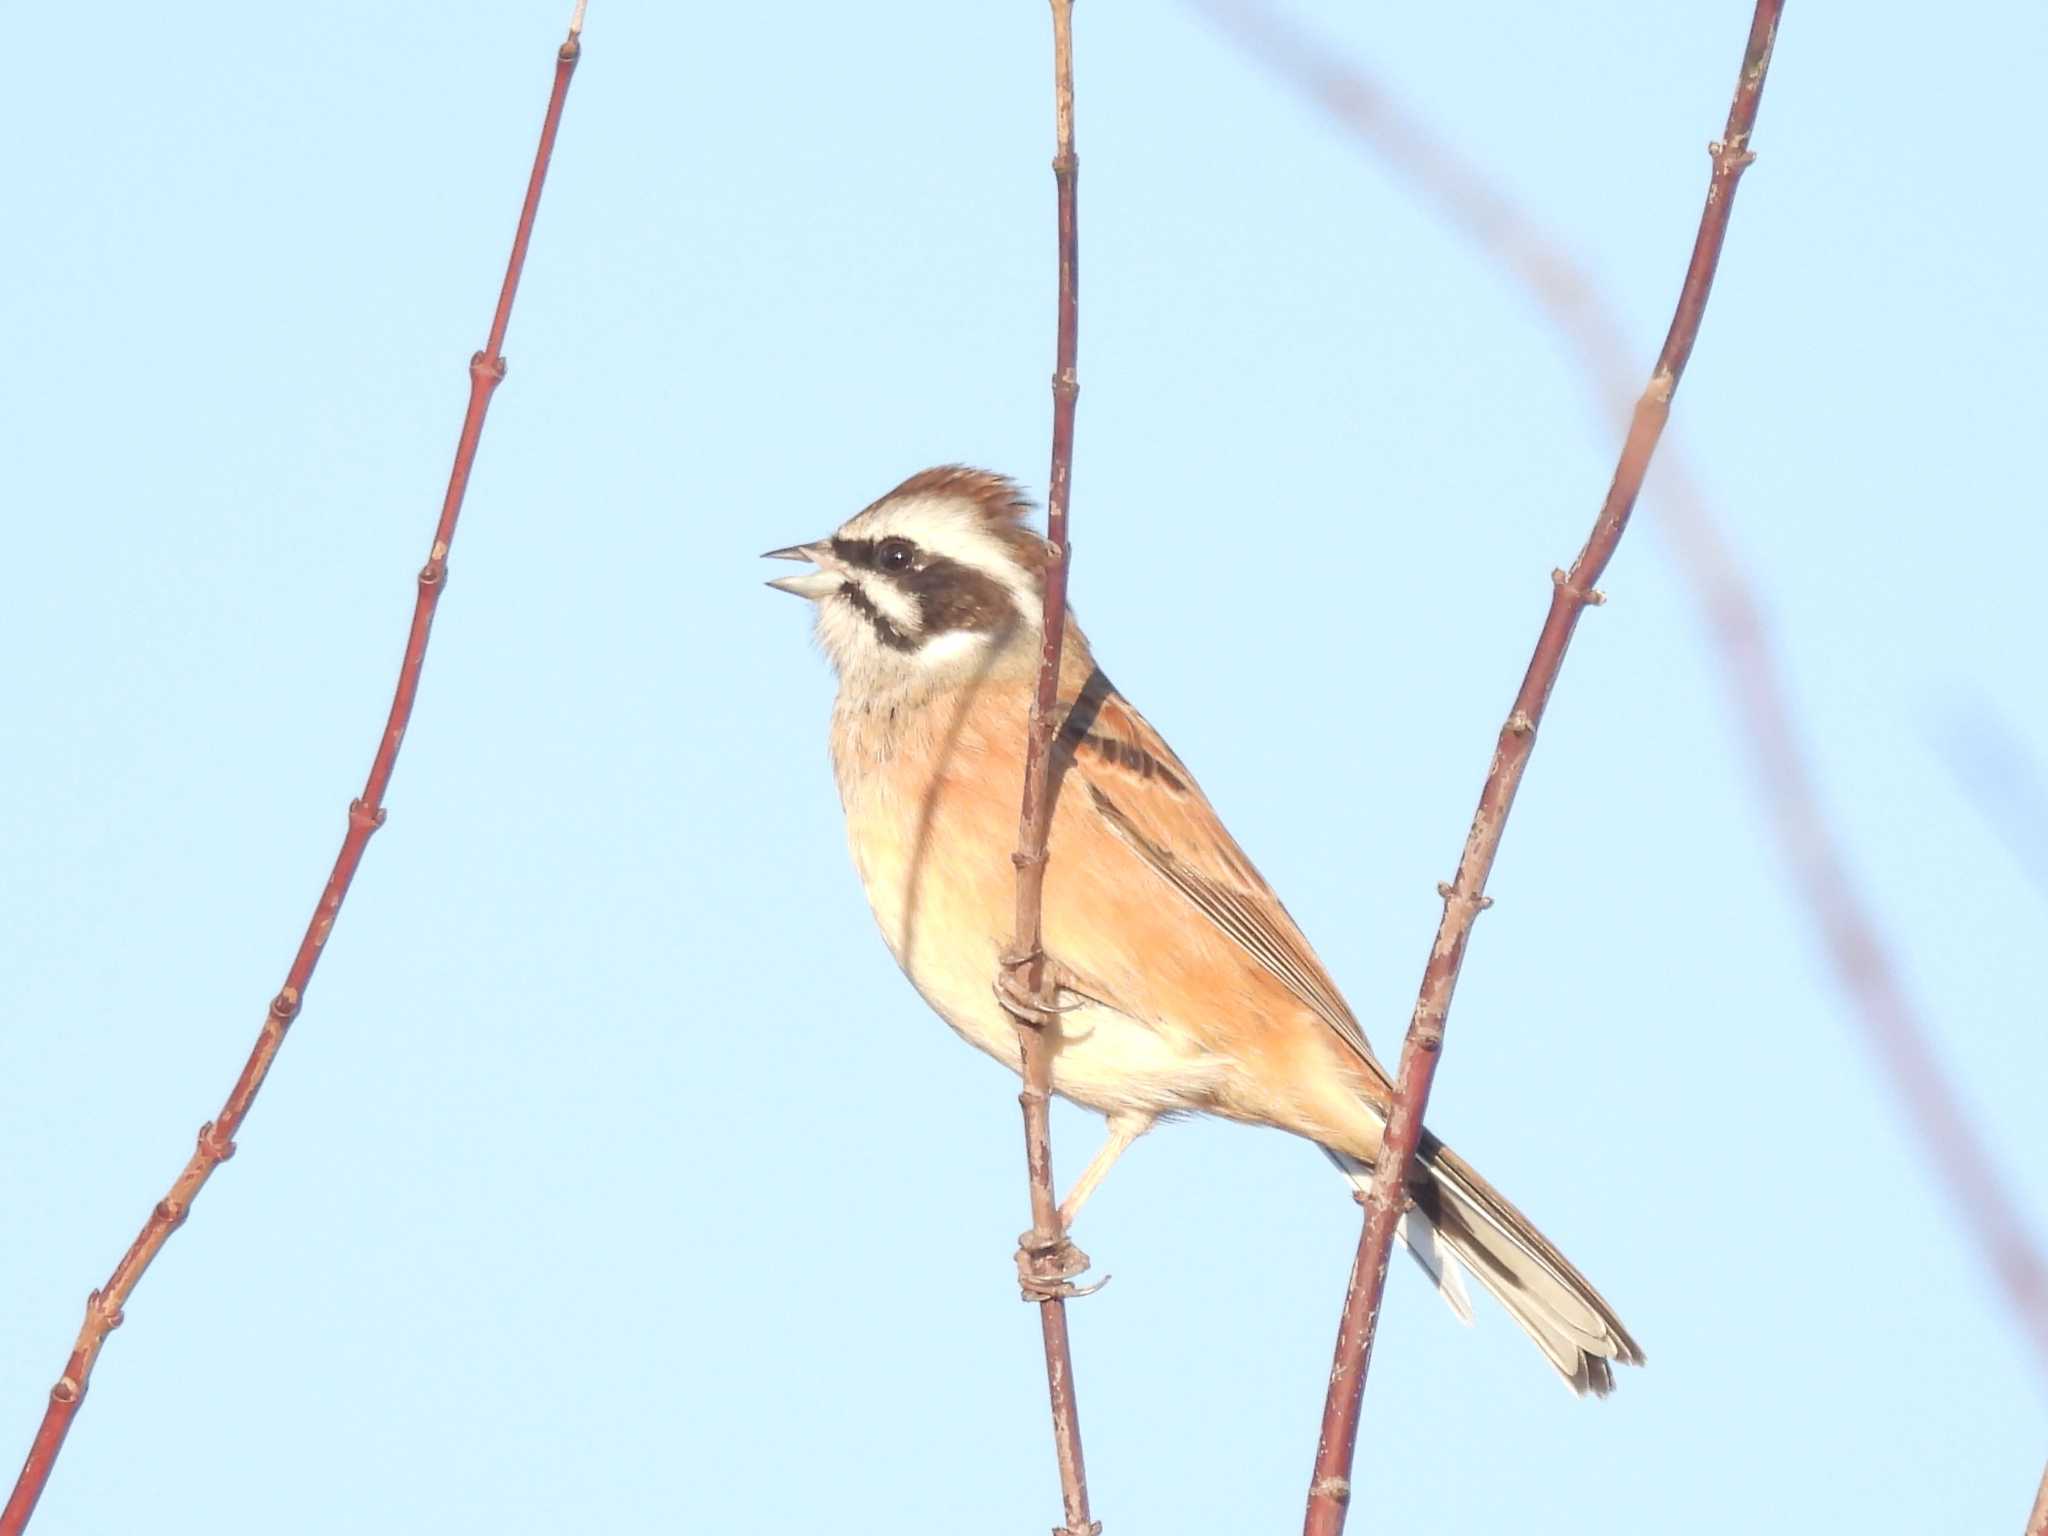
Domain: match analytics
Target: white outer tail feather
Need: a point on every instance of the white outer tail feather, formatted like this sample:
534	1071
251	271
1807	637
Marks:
1481	1233
1419	1238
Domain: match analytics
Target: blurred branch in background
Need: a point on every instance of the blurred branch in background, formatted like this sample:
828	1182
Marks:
1898	1035
2037	1522
365	815
1047	1262
1572	592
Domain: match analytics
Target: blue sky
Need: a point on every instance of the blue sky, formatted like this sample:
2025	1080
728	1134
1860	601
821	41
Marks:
613	1177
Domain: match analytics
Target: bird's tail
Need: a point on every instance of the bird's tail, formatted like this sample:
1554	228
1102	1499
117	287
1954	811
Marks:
1461	1222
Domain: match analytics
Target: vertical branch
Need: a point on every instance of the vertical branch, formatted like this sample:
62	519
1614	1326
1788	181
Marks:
1464	898
1047	1262
216	1142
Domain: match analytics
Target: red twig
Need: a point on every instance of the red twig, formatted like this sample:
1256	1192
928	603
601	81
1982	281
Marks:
1464	898
1047	1262
1852	941
365	816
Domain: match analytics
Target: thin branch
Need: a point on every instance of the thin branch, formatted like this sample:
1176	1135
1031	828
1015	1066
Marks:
1047	1262
2037	1522
1898	1034
1464	898
103	1309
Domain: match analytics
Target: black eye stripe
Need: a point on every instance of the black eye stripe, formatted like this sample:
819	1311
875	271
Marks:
891	556
950	596
858	552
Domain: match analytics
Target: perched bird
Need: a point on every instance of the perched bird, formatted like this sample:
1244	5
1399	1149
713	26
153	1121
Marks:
1184	986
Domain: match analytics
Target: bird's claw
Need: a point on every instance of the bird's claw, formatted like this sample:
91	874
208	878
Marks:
1021	1003
1046	1268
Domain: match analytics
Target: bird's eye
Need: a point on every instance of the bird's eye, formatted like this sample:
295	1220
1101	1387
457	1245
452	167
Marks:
895	554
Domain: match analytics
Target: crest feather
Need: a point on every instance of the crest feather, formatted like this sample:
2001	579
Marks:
997	500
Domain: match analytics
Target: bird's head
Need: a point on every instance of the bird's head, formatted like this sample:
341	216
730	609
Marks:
938	578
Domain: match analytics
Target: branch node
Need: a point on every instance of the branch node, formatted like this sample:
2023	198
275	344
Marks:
214	1145
1731	157
1591	597
285	1007
1520	724
97	1306
171	1213
365	816
65	1391
1338	1488
1066	387
482	366
1450	892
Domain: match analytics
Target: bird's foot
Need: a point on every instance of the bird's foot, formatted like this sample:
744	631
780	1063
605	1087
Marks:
1041	1010
1047	1267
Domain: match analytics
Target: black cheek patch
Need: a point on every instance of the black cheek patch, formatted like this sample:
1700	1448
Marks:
951	596
885	631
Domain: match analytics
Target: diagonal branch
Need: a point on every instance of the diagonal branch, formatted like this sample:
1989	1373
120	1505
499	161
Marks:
365	815
1897	1031
1464	898
1047	1262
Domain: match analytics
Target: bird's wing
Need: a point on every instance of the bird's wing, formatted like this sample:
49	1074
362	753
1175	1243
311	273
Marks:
1149	802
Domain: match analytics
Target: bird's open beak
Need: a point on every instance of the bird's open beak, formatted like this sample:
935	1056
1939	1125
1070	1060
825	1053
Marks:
814	585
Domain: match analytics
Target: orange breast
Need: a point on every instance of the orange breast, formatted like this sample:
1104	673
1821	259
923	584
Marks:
1190	1019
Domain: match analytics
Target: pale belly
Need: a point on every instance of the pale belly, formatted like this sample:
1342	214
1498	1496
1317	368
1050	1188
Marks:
1103	1059
942	932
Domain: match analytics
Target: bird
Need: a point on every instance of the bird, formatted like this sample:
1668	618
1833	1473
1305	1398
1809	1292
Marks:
1183	985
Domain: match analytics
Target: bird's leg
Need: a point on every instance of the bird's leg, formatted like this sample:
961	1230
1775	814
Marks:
1048	1262
1045	1271
1125	1127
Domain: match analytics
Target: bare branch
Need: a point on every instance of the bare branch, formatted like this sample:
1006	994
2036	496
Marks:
1571	593
216	1142
1047	1262
2037	1522
1855	947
